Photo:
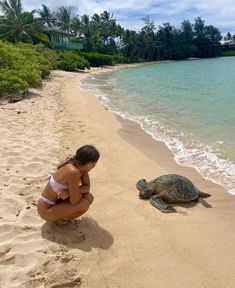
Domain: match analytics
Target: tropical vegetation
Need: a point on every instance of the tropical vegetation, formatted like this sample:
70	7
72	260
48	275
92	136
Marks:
228	53
17	25
71	61
105	42
23	66
101	33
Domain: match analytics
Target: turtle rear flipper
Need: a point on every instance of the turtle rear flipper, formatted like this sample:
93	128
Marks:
204	195
157	202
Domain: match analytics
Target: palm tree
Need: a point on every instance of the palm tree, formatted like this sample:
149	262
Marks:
96	18
64	18
14	7
76	26
106	16
16	25
46	16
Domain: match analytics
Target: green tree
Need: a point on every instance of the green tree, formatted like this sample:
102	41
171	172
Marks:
16	25
76	27
129	43
64	18
206	39
108	30
183	43
149	41
46	16
86	32
165	38
228	36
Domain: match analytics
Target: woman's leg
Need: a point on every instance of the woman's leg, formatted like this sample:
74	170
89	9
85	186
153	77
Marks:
89	197
64	210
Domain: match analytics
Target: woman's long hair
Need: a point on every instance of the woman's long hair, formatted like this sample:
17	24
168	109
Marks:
84	155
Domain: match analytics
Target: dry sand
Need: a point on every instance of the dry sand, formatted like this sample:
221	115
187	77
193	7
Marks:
121	241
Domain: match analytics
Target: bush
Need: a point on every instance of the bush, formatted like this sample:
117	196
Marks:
23	66
11	83
125	60
229	53
71	61
48	53
41	62
97	59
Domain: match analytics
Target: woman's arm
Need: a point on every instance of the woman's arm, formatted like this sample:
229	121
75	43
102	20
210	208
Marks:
85	186
75	194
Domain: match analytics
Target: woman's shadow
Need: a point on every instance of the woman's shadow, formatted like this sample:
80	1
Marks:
87	234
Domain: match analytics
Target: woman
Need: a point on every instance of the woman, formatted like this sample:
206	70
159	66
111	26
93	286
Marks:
67	193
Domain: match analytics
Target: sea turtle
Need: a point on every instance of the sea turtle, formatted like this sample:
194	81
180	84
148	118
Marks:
170	188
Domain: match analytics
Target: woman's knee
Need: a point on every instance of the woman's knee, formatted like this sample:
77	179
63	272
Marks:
89	197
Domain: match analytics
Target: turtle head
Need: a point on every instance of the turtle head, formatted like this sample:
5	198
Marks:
144	191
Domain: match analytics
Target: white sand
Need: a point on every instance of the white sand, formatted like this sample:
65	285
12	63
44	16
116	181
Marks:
121	241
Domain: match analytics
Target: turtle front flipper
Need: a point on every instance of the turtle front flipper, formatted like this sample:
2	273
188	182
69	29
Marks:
157	202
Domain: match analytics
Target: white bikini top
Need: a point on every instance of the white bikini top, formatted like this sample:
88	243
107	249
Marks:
56	186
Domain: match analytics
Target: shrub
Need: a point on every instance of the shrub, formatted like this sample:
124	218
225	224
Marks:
11	83
23	66
125	60
97	59
41	62
71	61
48	53
229	53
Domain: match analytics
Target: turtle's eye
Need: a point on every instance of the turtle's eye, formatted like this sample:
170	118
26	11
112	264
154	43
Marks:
145	194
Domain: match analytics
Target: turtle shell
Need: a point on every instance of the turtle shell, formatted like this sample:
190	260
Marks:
176	188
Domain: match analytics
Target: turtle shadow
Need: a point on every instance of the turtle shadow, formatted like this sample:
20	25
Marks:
190	204
182	207
87	235
185	205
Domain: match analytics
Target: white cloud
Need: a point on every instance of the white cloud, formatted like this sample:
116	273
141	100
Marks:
129	13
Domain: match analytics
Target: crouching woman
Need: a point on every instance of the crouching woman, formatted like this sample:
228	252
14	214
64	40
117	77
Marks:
67	194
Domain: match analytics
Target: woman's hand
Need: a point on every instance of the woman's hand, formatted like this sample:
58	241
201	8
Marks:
63	195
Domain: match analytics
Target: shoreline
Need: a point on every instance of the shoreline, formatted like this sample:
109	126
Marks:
121	241
136	126
161	154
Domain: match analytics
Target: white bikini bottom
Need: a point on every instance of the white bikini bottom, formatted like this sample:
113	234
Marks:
44	199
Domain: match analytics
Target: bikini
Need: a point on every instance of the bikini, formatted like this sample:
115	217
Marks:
56	187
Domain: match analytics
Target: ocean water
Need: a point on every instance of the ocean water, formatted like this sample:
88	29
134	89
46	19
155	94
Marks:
188	105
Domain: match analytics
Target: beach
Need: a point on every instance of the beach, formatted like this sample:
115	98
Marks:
121	241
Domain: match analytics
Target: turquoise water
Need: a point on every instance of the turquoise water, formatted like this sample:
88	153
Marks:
189	105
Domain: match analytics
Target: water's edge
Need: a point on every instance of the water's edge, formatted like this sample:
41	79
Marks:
122	119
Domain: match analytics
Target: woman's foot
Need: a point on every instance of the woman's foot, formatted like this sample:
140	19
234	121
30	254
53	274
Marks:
35	202
66	225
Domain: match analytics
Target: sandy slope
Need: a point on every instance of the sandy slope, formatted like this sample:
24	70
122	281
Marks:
122	241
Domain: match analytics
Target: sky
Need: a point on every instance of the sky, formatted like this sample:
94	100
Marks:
129	13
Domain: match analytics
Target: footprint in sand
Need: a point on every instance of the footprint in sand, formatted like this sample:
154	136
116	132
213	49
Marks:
4	251
73	283
7	260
